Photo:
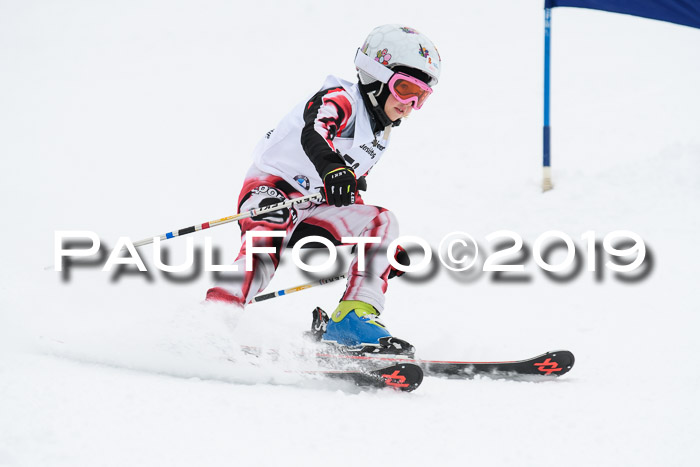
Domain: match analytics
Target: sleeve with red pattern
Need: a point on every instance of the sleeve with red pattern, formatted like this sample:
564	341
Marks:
326	115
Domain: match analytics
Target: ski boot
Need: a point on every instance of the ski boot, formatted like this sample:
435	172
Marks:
355	329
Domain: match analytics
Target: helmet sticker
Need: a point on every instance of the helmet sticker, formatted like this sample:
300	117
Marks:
432	66
383	57
409	30
423	51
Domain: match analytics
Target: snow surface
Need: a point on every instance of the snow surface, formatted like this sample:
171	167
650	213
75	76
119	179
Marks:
135	118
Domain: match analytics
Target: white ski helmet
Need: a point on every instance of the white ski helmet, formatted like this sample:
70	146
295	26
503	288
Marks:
394	45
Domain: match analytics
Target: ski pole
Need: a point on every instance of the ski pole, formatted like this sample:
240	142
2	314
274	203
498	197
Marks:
237	217
298	288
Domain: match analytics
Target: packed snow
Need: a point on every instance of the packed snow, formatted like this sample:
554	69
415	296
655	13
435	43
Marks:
138	118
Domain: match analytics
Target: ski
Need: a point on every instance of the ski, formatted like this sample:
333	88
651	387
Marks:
400	376
555	363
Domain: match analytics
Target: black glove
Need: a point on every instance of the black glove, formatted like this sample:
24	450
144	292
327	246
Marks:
340	186
402	258
362	183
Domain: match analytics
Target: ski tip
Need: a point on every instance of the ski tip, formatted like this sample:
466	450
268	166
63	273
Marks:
402	376
554	363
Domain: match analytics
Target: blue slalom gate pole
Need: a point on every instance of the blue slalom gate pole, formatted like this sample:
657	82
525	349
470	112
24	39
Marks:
546	132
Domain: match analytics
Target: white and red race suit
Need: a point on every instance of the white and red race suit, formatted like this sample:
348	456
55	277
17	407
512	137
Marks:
331	129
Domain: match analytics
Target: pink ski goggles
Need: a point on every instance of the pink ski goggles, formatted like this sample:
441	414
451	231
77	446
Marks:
409	90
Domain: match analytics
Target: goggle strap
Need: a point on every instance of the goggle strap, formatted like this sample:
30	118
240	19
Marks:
372	67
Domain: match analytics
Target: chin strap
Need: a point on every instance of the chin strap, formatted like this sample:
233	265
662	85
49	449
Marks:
384	120
378	111
387	132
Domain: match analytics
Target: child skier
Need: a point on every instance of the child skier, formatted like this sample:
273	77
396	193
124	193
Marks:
324	144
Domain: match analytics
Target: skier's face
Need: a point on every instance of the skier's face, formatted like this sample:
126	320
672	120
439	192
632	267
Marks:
395	109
